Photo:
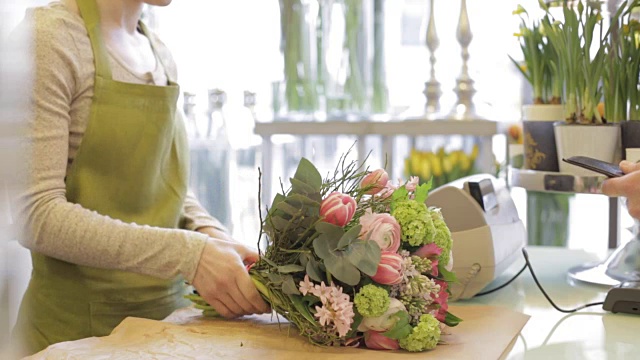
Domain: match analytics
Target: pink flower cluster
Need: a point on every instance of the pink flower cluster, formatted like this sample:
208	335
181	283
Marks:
336	310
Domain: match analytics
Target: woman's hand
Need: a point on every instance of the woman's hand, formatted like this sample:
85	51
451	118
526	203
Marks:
215	233
223	281
627	186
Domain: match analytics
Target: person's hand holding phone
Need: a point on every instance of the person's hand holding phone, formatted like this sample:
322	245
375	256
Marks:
627	186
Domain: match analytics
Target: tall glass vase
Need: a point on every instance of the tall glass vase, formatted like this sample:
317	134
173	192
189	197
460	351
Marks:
298	46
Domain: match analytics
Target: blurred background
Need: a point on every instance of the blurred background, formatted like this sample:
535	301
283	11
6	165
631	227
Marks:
245	65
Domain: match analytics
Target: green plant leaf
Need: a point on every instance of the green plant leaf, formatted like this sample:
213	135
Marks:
349	236
329	229
365	255
422	192
275	278
279	223
299	187
342	269
290	268
289	286
313	270
303	310
300	199
451	320
308	174
357	320
402	328
447	275
324	245
287	208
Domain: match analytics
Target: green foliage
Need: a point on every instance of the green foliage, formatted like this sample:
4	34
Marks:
451	320
402	327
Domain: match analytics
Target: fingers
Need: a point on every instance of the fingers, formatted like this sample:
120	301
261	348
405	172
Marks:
248	255
614	187
250	294
628	166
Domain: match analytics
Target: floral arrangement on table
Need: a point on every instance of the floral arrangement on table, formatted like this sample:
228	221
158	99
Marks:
440	166
354	260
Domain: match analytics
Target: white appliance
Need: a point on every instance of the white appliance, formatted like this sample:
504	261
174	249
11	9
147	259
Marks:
487	232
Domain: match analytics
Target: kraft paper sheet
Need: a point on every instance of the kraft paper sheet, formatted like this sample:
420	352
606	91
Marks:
486	333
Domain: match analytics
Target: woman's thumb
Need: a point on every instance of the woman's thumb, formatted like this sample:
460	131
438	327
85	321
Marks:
628	166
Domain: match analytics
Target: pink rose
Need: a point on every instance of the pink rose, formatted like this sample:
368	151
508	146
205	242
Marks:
389	270
376	341
381	228
374	181
337	209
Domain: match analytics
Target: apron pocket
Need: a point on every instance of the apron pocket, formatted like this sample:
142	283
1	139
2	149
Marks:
105	316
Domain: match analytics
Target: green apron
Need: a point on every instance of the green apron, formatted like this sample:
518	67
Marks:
132	165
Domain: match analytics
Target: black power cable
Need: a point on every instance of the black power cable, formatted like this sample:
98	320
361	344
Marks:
535	279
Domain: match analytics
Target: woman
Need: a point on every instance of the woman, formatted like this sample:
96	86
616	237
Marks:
107	192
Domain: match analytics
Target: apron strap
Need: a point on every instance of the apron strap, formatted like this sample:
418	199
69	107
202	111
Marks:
91	16
145	32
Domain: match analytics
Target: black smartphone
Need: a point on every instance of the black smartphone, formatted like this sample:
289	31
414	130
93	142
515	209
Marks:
599	166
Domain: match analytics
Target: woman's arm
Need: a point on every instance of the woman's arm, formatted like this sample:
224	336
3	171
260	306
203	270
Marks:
67	231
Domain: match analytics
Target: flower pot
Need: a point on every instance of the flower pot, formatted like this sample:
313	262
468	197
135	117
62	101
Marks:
540	151
630	136
601	142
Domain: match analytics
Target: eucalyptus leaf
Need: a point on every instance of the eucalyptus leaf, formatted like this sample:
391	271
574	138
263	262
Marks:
365	255
304	258
313	270
289	286
308	174
275	278
276	199
300	187
329	229
349	236
301	199
287	208
340	267
290	268
279	223
321	247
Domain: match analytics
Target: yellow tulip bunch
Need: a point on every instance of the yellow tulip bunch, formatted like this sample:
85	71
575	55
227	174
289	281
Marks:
443	167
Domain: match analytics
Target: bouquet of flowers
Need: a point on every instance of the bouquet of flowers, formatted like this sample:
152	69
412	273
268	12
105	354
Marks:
353	260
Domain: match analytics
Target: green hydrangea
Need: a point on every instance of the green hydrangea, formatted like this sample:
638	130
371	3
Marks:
424	336
443	235
415	222
372	301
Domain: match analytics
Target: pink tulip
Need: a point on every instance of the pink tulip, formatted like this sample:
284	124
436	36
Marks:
338	209
430	251
375	181
376	341
381	228
389	270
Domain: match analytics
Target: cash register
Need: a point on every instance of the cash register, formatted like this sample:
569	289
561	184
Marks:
488	235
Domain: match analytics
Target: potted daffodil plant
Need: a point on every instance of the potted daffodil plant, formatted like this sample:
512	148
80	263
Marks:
580	40
540	69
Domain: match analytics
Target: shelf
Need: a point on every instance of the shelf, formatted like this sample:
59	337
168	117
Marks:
547	181
412	127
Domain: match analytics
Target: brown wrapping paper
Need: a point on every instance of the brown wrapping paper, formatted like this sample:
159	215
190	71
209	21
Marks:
486	333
